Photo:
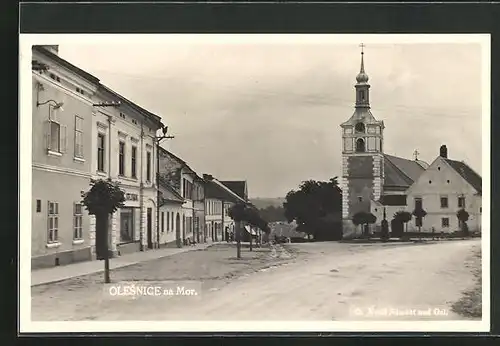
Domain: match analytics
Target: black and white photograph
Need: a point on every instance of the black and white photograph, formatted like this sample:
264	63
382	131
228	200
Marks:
230	182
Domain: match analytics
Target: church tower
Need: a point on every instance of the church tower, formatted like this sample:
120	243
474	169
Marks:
362	154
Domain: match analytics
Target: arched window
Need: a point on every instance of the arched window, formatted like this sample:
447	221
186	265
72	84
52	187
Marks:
360	145
360	128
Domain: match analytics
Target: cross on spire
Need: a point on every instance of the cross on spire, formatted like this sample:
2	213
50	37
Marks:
416	153
362	45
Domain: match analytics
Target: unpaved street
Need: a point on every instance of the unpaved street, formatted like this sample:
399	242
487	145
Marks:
328	281
332	285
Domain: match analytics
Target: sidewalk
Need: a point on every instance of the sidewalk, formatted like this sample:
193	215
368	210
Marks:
55	274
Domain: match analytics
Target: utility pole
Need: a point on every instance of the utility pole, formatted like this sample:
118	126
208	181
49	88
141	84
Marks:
158	140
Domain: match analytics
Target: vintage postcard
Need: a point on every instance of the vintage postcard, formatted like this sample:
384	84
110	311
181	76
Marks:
254	183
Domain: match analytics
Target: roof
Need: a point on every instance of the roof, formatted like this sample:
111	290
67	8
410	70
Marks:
43	50
153	117
362	114
61	61
238	187
401	172
467	173
216	189
181	161
172	194
393	200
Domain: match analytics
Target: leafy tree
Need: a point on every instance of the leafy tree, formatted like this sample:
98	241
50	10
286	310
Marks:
364	218
419	214
102	200
313	201
463	217
403	217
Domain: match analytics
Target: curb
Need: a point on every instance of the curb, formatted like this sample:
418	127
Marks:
124	266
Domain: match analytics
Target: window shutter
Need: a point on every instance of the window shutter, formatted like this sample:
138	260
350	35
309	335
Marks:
63	138
47	135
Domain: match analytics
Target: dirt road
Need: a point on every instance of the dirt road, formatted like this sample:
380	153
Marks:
334	281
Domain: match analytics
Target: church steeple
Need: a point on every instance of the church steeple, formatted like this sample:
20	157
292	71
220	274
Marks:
362	86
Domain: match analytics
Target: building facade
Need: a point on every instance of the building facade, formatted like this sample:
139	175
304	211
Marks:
444	188
177	174
170	216
213	218
63	97
123	147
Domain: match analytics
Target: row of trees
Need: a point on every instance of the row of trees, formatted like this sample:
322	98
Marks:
399	223
105	197
243	213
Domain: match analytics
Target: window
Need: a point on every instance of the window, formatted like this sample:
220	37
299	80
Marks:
77	224
78	136
168	221
480	209
121	159
162	222
172	220
53	222
134	162
461	202
55	132
148	166
100	152
54	77
360	199
418	203
360	128
444	202
445	222
38	206
127	233
360	145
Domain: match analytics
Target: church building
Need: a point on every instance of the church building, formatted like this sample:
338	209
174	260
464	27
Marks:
371	179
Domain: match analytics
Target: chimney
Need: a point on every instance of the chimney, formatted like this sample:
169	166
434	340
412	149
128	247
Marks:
443	151
208	177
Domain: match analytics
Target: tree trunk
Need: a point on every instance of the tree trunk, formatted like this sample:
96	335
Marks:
251	238
102	238
238	238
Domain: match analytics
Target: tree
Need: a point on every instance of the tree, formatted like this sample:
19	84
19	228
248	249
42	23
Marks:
102	200
403	217
364	218
312	203
419	214
237	213
463	217
384	232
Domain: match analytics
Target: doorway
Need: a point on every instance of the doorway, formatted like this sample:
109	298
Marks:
149	220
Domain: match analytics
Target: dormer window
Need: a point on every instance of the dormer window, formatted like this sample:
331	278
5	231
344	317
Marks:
54	77
360	128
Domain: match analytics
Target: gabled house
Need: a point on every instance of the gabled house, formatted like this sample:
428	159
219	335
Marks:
219	197
171	203
445	187
176	172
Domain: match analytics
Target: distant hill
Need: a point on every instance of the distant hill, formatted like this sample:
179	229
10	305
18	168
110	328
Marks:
262	203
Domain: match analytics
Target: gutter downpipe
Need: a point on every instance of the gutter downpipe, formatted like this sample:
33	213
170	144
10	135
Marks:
110	222
141	190
157	142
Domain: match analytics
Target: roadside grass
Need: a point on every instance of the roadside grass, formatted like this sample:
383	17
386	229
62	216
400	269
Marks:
470	304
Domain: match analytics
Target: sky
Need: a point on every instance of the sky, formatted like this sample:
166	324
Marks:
269	113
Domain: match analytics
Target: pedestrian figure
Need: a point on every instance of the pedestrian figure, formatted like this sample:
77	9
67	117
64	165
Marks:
227	234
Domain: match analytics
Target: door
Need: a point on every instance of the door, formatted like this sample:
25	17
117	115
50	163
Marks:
149	220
